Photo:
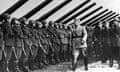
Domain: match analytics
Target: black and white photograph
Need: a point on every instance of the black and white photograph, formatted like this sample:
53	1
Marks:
59	35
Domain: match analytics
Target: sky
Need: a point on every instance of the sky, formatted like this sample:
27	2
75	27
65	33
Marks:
5	4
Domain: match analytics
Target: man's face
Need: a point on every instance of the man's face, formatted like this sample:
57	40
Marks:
100	25
40	25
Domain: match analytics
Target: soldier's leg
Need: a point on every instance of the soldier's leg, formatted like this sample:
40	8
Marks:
104	53
26	58
69	53
51	57
85	57
40	57
8	50
111	56
1	53
57	57
18	53
61	53
66	52
118	58
76	53
32	62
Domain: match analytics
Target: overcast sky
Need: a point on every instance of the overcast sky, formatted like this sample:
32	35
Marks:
4	4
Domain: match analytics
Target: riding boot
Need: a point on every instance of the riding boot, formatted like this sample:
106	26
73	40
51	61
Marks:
74	66
17	66
111	62
86	63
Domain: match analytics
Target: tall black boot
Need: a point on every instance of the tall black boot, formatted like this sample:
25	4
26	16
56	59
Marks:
111	62
74	66
86	63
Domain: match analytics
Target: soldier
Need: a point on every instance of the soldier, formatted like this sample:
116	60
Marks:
27	43
53	50
105	45
80	44
42	51
35	41
98	40
1	47
1	41
108	43
117	31
61	33
69	31
8	40
18	35
64	40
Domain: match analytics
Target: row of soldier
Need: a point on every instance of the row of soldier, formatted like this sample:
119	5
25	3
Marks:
102	42
34	44
26	46
106	41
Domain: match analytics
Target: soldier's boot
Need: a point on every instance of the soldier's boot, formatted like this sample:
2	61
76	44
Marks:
57	59
32	65
74	63
17	66
7	66
52	59
41	65
118	67
86	63
46	61
74	66
24	67
111	62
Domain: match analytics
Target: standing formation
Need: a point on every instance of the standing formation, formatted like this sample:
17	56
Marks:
30	45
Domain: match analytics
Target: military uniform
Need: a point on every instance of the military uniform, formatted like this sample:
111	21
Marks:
80	46
26	42
1	43
34	47
18	35
8	42
53	52
117	31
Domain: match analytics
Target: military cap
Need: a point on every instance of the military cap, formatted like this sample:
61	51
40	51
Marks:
6	16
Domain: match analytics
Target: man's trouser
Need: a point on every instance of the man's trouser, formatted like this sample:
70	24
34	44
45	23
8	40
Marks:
1	53
76	56
8	55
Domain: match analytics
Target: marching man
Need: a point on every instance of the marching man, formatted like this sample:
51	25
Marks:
79	44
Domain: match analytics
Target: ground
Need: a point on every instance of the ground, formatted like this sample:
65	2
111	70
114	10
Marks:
93	67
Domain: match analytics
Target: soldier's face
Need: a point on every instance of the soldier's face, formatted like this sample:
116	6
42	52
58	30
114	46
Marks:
40	25
100	25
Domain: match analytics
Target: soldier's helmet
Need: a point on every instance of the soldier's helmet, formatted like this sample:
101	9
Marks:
23	20
32	23
50	23
56	25
44	22
15	22
6	16
39	24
